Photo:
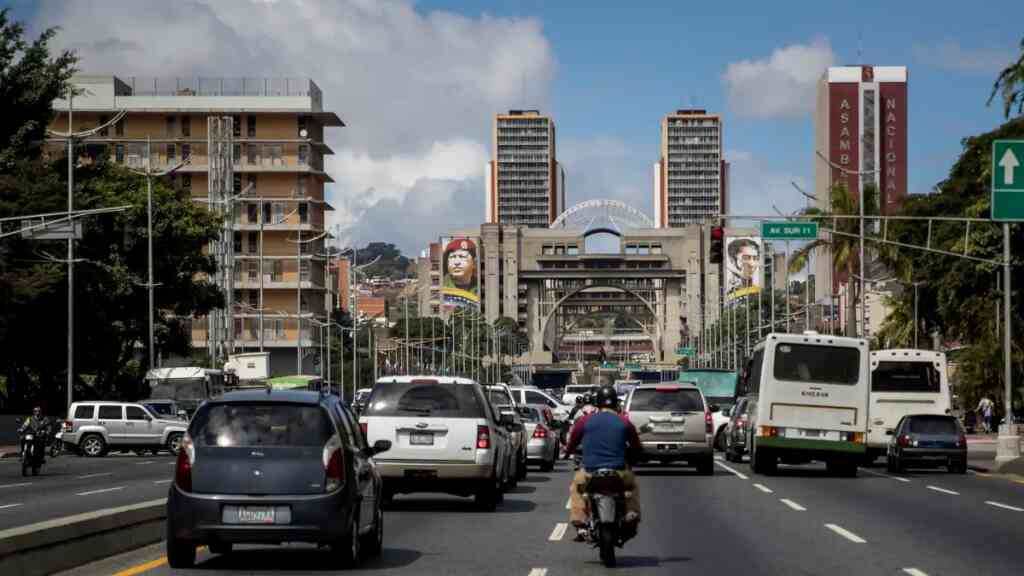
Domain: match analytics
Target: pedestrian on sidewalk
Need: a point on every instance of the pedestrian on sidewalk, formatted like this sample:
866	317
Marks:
985	410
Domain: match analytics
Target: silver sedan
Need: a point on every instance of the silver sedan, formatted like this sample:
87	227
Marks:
542	445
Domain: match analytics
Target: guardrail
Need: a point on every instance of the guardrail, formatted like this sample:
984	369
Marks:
64	543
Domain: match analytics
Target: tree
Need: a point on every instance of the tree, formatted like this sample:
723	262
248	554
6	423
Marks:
1010	86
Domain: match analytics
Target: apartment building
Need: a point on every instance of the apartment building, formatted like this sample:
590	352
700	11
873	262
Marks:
690	176
525	184
268	153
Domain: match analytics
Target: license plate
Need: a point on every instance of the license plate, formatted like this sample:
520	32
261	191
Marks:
421	474
256	515
421	438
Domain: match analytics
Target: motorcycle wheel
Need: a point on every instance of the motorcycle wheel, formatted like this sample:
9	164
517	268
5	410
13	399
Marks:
606	542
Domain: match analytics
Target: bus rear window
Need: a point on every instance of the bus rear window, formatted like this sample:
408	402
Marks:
905	377
817	364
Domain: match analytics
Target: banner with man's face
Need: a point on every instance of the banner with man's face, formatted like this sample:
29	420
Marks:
742	266
460	270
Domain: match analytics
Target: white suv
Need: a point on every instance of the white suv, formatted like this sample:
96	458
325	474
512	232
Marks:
530	395
445	437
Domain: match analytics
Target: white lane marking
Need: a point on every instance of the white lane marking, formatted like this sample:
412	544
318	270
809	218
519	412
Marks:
5	506
168	481
558	532
66	520
97	475
736	472
880	475
943	490
90	492
846	533
719	458
16	485
539	572
568	504
763	488
914	572
1004	506
792	504
145	462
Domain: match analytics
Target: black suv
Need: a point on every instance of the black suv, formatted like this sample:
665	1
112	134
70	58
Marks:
266	467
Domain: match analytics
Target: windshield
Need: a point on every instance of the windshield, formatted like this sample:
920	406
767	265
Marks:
905	377
162	408
184	389
713	383
817	364
261	424
499	397
425	399
666	400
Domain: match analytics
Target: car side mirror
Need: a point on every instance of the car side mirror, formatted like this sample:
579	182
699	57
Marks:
378	447
715	408
506	418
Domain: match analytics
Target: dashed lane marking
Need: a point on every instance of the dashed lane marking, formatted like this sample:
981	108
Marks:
558	532
143	462
167	481
15	485
539	572
97	475
914	572
880	475
738	474
792	505
943	490
6	506
101	491
1004	506
846	533
763	488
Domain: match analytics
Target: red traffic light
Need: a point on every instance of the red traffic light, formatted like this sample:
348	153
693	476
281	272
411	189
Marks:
717	233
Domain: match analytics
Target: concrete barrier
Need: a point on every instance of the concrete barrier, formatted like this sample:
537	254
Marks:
64	543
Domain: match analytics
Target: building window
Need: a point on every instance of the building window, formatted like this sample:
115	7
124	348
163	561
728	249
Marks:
253	153
548	250
186	151
303	213
186	126
252	213
266	213
303	186
103	120
236	126
303	155
252	183
275	155
303	121
172	153
186	181
119	153
236	154
304	270
253	242
172	125
251	121
238	243
655	248
278	213
236	183
119	128
277	271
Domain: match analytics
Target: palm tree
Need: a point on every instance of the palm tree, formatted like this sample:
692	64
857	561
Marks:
844	245
1010	84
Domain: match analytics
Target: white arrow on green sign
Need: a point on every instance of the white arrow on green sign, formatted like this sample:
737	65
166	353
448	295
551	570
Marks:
1007	180
789	230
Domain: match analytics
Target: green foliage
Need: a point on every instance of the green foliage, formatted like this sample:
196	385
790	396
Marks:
1010	86
392	264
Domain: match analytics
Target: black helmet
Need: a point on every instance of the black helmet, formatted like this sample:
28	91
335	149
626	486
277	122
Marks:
607	397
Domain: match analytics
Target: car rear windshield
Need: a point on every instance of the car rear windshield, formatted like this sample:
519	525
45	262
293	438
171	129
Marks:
261	424
666	400
434	399
933	425
905	377
817	364
499	397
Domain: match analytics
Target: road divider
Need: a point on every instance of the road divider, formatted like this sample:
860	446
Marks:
64	543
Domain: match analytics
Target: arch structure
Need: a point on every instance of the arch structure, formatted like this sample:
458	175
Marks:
602	216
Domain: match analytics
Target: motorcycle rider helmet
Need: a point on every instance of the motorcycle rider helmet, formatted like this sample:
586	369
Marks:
607	397
579	399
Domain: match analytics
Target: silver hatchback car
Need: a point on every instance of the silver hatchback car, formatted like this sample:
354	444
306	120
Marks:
674	424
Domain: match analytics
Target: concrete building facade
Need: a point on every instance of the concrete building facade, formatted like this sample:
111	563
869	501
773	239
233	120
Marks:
525	184
279	277
690	176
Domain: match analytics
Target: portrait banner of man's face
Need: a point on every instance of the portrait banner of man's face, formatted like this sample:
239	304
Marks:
461	273
743	266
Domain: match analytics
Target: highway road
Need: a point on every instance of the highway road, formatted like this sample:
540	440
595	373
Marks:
798	522
71	484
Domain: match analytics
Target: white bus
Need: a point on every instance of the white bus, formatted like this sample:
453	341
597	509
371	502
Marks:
904	382
811	394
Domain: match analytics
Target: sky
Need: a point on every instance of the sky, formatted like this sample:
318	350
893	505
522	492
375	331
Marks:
418	84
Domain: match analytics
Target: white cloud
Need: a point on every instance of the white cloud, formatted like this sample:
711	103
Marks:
417	91
781	85
605	168
755	188
950	55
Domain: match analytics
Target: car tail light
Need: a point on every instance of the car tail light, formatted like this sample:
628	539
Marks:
741	423
183	466
335	471
483	437
540	432
69	425
961	441
904	440
708	423
855	437
769	431
365	427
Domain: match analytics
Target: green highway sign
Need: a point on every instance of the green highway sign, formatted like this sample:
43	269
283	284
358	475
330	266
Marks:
632	366
789	230
1008	180
609	366
684	351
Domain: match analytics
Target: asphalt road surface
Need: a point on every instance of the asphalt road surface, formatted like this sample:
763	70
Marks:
798	522
71	484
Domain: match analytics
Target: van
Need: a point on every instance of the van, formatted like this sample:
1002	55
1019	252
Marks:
904	382
812	402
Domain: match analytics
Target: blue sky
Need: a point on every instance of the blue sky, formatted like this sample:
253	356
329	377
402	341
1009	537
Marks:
620	66
418	84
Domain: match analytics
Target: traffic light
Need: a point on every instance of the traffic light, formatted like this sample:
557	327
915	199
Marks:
717	239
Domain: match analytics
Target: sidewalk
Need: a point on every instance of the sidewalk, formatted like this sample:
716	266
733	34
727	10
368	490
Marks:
8	451
981	456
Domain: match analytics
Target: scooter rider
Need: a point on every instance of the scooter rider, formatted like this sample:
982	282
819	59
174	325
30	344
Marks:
609	442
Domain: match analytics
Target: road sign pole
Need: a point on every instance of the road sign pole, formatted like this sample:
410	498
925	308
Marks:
1007	206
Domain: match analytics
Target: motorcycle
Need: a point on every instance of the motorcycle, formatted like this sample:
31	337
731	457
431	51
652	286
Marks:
57	444
33	451
607	528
